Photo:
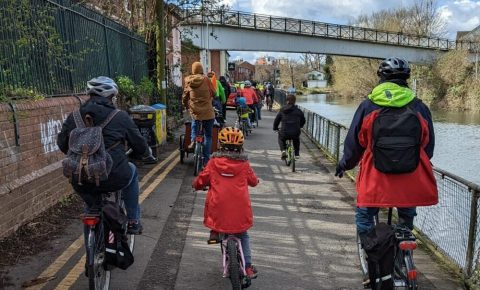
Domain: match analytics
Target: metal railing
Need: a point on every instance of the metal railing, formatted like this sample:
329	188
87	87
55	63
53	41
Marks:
452	224
321	29
55	46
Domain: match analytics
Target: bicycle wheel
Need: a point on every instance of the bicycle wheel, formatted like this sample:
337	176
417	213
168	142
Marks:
293	162
362	257
98	276
256	117
411	274
233	265
182	150
198	160
130	238
288	161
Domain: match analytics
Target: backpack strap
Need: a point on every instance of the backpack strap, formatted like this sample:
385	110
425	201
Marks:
77	117
109	118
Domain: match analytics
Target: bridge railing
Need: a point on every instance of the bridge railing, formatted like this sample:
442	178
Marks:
451	225
321	29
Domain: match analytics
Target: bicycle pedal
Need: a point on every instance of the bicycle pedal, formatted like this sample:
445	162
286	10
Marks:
213	242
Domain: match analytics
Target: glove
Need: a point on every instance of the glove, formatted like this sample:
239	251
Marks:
339	171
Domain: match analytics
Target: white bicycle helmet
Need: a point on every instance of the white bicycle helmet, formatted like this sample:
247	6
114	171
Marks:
248	83
102	86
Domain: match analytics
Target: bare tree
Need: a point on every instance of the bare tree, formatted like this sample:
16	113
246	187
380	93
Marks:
313	61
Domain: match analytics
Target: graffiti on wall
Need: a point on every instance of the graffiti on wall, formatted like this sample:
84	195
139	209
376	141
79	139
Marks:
48	133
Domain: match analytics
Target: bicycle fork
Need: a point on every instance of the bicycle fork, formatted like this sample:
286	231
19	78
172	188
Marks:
225	257
90	221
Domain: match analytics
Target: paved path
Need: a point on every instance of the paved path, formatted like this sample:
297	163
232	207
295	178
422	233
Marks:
303	235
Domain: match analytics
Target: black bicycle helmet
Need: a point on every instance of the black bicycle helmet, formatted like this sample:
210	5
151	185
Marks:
394	68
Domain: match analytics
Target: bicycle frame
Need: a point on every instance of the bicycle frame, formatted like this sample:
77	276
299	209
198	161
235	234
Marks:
223	245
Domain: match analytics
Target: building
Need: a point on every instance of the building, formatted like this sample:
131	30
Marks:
315	79
265	60
219	62
243	71
473	35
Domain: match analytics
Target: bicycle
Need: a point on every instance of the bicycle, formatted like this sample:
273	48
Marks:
199	147
97	270
269	100
233	261
242	124
404	272
290	160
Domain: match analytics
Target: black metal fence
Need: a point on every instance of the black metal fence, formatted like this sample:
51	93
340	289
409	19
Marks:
321	29
54	46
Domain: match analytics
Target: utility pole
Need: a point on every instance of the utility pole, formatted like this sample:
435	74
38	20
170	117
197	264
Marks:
161	49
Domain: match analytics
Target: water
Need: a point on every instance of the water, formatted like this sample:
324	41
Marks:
457	134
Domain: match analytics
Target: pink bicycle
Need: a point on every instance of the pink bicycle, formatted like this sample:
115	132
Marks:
234	261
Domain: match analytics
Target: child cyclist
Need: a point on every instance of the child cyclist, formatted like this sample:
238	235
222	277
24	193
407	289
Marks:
227	205
243	110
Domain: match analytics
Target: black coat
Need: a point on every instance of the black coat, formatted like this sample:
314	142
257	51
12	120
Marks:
120	129
291	119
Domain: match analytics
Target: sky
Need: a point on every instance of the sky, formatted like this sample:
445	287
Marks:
459	15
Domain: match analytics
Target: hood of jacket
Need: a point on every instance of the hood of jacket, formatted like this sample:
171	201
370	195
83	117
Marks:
390	94
228	163
195	81
289	108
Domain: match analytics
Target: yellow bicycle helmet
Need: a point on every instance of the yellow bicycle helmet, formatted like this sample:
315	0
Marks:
230	136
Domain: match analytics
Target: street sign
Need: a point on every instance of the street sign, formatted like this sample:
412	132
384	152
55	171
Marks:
231	66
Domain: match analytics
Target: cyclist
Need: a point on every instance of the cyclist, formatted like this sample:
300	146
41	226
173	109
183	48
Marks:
123	176
378	189
227	207
243	110
292	120
198	95
269	93
251	97
228	91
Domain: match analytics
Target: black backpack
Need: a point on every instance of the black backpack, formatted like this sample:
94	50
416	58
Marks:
379	245
397	136
118	253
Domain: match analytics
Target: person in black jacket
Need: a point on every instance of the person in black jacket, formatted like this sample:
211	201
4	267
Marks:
123	176
292	120
228	91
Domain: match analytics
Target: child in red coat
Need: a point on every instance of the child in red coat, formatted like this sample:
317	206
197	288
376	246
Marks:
227	206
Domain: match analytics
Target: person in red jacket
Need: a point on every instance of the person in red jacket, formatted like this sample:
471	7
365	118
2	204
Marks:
227	206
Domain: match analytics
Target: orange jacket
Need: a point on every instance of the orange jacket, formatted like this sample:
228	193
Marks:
250	95
227	206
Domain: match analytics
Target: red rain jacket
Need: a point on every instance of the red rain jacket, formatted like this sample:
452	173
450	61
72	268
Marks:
227	206
250	95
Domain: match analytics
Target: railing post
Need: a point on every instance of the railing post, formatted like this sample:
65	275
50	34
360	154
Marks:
472	230
255	21
238	19
270	23
313	29
300	26
104	21
337	153
285	24
327	144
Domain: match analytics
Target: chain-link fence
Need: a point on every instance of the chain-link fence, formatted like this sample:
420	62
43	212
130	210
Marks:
55	46
448	224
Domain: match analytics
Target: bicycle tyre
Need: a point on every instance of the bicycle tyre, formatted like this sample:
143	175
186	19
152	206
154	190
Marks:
98	276
411	283
293	163
130	238
198	159
233	265
362	257
182	150
288	161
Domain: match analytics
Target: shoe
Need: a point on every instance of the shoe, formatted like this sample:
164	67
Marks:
214	238
134	228
191	145
284	155
297	157
251	272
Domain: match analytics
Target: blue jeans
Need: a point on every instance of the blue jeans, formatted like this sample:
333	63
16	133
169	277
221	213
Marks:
207	132
259	110
130	195
364	217
247	254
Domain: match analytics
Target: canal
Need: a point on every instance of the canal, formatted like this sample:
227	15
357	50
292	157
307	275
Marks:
457	143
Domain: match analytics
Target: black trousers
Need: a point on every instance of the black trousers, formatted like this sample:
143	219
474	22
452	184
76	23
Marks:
282	142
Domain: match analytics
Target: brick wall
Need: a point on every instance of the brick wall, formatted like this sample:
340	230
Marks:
31	178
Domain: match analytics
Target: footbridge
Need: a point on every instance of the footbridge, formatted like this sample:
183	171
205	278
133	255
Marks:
234	30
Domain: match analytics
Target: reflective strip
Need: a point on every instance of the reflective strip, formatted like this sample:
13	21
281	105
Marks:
384	278
227	174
